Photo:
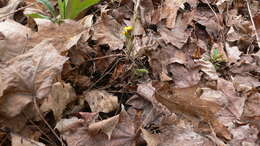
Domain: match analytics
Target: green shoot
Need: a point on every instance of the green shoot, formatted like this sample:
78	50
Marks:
68	9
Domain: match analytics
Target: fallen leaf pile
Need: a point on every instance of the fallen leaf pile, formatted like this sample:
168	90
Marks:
133	73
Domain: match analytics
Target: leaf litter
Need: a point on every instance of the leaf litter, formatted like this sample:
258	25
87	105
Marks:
187	73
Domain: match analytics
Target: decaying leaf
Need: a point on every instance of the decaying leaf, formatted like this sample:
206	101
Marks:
177	136
61	95
106	126
185	100
151	139
201	86
28	76
236	102
177	36
58	34
233	53
101	101
244	135
68	124
14	39
207	67
109	31
9	7
23	141
183	76
122	132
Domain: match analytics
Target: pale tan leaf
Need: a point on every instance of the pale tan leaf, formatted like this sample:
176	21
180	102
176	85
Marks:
28	76
151	139
175	136
101	101
6	11
123	134
23	141
207	67
236	103
61	95
106	126
244	136
15	37
65	125
58	34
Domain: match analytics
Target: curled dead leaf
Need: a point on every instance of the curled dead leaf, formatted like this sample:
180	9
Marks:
13	39
26	77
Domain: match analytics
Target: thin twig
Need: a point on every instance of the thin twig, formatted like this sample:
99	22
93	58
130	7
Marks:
106	73
253	23
42	132
108	56
43	119
36	104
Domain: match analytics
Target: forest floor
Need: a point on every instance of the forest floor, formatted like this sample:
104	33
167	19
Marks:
131	73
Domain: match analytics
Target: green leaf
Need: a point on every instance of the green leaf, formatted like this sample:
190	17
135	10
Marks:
47	4
37	15
215	52
142	70
74	7
62	8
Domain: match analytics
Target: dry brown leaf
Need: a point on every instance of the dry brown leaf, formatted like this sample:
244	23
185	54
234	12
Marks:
61	95
170	10
169	61
23	141
236	103
185	101
108	31
15	37
245	83
252	105
123	134
244	135
214	96
151	139
224	115
207	67
177	36
106	126
205	16
176	136
6	10
232	35
65	125
147	91
58	34
28	76
246	65
183	76
233	53
146	11
101	101
77	50
144	44
87	21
